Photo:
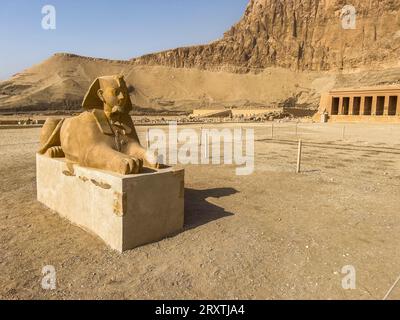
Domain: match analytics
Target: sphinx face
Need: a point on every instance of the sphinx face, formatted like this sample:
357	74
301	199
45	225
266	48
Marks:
114	95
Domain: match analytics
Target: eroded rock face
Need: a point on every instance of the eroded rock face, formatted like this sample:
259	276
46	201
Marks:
297	34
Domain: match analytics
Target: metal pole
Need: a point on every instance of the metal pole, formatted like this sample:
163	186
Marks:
299	157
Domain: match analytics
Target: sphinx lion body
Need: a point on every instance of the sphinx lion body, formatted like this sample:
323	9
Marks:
90	140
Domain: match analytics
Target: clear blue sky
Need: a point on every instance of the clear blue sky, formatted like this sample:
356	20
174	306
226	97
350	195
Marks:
115	29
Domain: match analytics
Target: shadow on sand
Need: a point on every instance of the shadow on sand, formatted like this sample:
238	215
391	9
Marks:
199	211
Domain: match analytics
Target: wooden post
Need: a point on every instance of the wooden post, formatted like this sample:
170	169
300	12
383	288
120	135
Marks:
299	157
206	146
201	134
272	131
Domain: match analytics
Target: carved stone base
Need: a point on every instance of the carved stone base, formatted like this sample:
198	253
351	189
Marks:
124	211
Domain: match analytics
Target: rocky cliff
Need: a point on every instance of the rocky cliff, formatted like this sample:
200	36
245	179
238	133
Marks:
300	35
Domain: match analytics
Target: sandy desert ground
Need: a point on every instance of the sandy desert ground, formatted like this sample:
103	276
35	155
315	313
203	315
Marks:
271	235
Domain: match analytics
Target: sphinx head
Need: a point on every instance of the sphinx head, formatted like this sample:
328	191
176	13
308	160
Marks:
109	93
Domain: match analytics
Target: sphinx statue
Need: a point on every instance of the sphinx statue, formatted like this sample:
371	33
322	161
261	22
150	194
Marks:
104	136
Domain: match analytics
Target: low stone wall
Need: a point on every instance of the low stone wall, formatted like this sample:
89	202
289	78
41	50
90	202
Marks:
368	119
234	112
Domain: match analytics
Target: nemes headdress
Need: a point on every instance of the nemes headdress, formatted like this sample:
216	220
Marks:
93	101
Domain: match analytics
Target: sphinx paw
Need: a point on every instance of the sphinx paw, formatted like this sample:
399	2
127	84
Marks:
130	166
55	152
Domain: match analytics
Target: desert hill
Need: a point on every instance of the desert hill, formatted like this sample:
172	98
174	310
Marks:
281	52
64	78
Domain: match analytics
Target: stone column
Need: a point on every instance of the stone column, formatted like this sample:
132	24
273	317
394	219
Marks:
362	106
373	107
329	104
351	105
326	103
398	106
386	106
340	112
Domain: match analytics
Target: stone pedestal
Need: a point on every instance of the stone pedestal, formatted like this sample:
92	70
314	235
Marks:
124	211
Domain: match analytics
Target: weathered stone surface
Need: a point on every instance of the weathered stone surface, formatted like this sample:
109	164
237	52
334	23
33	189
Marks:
297	34
126	211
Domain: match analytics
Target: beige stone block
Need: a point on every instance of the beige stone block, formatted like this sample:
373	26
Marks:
125	211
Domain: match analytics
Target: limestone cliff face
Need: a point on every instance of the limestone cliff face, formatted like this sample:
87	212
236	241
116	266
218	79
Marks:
300	35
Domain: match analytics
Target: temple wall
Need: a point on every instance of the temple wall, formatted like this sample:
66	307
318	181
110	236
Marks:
380	104
233	112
